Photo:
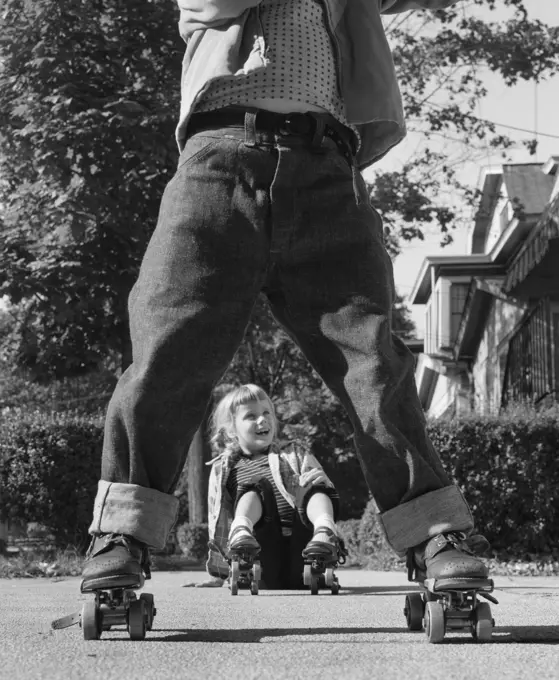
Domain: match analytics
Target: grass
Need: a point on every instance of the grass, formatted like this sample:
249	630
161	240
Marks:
56	563
52	562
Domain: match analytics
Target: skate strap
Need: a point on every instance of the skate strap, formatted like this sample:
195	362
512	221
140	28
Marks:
66	621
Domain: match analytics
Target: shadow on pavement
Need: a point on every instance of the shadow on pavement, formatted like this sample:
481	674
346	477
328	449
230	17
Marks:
345	590
542	635
252	635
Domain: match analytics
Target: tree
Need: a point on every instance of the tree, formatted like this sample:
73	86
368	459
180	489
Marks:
440	59
88	102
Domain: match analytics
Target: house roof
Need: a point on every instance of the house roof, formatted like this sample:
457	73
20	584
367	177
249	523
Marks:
450	265
528	186
537	246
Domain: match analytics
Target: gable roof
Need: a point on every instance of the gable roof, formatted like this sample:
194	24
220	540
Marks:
528	186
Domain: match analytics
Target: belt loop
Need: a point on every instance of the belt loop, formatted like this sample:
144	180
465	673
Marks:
320	127
250	128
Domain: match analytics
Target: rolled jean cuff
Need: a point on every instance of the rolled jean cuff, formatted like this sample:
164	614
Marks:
409	524
145	514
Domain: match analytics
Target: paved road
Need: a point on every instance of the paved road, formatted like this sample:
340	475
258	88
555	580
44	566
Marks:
203	633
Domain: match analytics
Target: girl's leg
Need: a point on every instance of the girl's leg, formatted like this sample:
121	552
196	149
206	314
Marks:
256	499
319	509
248	512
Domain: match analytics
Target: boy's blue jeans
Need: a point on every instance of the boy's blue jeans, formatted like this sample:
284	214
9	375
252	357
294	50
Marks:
250	211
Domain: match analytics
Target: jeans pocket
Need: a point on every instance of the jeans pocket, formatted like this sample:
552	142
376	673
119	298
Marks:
196	148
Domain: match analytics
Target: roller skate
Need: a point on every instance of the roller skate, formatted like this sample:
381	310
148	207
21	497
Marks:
116	566
451	580
324	552
245	570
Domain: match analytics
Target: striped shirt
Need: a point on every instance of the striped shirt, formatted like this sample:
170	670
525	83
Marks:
246	470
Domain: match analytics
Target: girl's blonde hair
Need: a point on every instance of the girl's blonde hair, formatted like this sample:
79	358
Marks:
222	421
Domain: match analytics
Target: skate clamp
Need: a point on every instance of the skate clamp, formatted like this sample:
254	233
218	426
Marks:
451	604
119	606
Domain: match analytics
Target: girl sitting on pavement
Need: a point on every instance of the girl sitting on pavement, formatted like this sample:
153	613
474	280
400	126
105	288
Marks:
278	505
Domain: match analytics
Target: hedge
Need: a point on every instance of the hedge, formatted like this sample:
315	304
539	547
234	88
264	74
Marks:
507	467
508	470
50	467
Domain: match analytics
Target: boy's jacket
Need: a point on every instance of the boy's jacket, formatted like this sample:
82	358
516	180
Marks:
225	38
286	467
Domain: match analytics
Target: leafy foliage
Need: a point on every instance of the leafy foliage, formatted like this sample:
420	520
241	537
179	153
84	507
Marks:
508	470
86	149
193	540
441	59
49	469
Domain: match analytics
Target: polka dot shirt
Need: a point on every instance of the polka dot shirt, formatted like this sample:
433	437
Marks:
302	65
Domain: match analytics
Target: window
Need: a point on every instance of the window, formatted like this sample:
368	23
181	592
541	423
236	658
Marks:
458	295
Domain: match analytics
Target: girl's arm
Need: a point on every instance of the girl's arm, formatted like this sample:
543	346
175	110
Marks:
312	471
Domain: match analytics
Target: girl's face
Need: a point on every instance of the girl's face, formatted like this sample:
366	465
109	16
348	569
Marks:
254	426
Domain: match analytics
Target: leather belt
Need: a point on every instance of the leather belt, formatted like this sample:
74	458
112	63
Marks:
299	124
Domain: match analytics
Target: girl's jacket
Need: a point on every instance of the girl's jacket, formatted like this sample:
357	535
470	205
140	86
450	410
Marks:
286	467
225	38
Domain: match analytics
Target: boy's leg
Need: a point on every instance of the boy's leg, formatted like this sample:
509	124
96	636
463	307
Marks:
201	273
333	292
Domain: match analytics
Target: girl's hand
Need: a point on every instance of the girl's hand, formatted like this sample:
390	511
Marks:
313	476
210	583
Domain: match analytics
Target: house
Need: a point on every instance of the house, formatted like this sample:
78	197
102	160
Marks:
492	315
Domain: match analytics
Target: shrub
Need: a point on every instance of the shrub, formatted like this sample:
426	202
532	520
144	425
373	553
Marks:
370	535
508	469
348	529
49	472
193	540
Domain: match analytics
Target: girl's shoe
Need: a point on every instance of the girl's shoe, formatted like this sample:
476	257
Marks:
324	544
241	540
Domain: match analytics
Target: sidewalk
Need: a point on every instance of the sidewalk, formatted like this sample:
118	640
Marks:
207	633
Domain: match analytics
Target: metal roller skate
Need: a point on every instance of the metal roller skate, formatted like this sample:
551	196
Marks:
450	603
115	603
245	570
320	561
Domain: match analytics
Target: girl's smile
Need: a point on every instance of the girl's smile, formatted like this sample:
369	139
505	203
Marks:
254	426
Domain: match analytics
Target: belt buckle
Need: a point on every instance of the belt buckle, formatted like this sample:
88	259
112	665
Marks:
291	124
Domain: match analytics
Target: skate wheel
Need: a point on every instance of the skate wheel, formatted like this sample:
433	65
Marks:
254	588
434	622
413	611
482	626
90	621
137	620
234	574
314	585
147	599
307	574
328	577
335	587
256	572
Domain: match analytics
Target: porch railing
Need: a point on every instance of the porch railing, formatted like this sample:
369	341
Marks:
528	370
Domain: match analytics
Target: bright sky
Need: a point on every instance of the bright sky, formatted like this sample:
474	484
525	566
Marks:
510	106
